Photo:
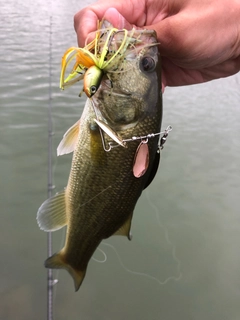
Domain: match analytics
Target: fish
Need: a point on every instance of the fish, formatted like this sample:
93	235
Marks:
114	152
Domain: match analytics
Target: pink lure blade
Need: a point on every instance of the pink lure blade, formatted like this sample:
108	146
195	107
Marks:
141	160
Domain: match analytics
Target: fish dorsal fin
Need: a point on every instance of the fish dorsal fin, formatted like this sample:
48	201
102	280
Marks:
51	216
69	140
125	229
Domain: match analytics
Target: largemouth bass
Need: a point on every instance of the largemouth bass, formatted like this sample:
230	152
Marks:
115	146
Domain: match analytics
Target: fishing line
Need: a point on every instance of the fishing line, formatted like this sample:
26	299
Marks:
138	273
165	230
104	255
143	274
98	194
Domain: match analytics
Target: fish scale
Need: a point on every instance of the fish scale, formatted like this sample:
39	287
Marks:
102	190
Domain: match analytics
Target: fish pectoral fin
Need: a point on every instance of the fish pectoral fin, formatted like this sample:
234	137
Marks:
69	140
51	215
125	229
57	262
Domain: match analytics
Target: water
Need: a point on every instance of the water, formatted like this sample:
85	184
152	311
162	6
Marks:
186	226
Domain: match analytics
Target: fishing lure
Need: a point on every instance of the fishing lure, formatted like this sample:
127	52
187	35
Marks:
97	57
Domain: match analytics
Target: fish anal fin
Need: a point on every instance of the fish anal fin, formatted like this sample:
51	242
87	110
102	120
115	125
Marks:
69	140
125	229
57	261
51	215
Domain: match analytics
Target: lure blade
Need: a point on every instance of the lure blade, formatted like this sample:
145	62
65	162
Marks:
110	132
141	160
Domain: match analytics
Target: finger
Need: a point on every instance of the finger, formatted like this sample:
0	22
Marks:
116	19
85	21
173	75
222	70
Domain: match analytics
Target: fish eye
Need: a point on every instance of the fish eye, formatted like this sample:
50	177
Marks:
147	64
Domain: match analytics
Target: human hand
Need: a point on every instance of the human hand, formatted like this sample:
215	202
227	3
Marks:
199	40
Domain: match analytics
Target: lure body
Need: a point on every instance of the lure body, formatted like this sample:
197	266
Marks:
92	79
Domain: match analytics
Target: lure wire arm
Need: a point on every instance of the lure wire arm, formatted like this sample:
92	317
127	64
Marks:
145	138
151	135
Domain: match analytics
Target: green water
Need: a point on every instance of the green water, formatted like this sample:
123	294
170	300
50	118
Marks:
184	259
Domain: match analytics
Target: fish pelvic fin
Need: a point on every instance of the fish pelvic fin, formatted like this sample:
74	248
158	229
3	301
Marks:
51	216
57	261
69	140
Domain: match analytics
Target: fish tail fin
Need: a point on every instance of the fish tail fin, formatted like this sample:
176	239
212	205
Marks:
57	262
